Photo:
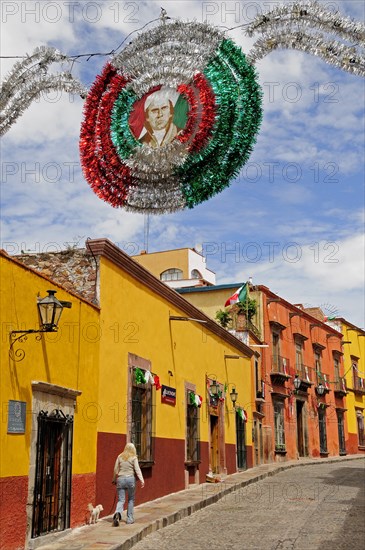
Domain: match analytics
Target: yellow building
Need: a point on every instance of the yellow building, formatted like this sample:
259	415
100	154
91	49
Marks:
182	267
49	387
354	362
166	378
150	333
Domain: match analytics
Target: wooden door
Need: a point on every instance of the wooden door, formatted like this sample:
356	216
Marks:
214	444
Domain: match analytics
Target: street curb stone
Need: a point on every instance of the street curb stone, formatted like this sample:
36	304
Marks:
85	538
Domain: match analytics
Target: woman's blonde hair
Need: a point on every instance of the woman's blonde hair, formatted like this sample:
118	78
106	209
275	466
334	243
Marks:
129	451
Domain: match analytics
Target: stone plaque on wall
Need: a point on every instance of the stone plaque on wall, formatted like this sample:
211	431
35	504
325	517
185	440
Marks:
16	416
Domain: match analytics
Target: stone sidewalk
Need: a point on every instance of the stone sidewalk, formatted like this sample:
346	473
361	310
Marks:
159	513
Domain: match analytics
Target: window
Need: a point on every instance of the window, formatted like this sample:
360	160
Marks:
279	426
336	365
340	384
142	416
298	356
354	373
322	431
195	274
171	275
358	382
192	430
360	427
258	381
318	366
275	348
341	433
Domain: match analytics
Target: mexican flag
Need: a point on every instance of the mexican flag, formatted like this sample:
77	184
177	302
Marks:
239	296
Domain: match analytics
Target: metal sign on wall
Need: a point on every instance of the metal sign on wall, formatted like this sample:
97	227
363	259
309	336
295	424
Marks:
168	395
16	416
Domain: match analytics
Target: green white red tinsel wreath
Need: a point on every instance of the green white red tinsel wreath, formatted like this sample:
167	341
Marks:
171	119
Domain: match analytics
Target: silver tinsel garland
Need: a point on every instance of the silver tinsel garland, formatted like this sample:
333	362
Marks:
310	14
28	79
303	26
341	56
178	64
184	50
291	27
197	33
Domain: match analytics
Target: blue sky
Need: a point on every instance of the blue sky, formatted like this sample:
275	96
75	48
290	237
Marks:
293	219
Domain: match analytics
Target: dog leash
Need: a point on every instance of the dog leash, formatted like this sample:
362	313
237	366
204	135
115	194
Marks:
113	505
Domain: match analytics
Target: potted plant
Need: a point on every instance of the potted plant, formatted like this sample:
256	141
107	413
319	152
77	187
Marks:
223	317
247	308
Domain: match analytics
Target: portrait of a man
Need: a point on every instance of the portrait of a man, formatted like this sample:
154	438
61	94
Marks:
157	112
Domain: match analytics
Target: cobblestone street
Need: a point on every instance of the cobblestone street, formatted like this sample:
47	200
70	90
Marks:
310	507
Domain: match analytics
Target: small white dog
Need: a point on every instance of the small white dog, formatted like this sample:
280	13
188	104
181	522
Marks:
94	512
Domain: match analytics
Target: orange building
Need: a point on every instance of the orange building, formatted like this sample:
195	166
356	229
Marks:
303	386
291	422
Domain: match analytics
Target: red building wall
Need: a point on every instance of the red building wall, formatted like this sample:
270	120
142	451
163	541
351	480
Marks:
13	496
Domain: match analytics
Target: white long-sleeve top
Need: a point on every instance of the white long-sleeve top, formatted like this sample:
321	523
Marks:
127	468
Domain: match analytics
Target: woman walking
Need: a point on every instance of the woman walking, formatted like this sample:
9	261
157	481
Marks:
125	469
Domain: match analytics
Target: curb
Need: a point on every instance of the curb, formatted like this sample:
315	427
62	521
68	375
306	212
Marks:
84	538
188	510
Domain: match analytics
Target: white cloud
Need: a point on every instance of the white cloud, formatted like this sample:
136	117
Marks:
313	132
322	272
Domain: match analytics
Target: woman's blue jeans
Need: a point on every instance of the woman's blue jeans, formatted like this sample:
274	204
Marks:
126	484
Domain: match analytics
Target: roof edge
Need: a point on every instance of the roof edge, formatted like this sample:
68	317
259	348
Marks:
107	249
294	308
5	255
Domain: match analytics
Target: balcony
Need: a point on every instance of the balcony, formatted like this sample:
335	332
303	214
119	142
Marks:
323	380
358	385
306	376
279	369
340	387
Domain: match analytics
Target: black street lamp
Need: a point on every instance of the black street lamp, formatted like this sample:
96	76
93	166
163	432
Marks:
50	310
297	382
233	395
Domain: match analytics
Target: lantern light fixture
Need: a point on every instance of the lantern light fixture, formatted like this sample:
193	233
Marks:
214	388
297	382
50	311
233	395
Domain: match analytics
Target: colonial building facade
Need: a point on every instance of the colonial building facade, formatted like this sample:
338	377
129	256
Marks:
303	390
49	390
140	364
354	380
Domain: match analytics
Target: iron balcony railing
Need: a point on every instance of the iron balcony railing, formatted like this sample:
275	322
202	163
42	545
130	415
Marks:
305	373
280	365
323	379
340	385
359	384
